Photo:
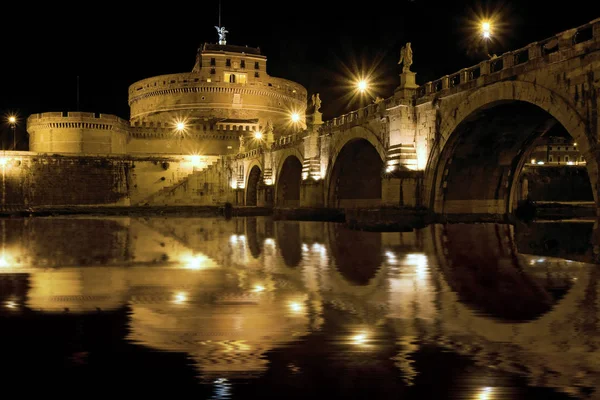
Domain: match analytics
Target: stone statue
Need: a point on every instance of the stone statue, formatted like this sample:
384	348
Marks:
269	128
406	57
316	101
221	32
241	141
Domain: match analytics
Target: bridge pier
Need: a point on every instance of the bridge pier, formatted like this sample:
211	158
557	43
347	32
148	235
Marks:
312	193
264	196
402	189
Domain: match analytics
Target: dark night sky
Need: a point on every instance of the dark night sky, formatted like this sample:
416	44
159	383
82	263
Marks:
44	48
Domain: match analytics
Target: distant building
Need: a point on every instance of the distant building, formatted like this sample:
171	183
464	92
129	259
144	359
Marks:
554	151
214	110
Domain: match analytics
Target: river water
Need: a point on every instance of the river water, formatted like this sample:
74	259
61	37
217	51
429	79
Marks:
256	308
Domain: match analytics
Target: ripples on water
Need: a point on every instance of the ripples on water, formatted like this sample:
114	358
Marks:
252	308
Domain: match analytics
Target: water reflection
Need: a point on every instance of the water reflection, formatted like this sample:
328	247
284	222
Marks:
304	304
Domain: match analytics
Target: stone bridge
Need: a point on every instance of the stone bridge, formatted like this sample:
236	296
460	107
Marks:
454	146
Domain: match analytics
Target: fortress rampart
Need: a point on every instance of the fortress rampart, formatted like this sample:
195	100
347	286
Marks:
77	132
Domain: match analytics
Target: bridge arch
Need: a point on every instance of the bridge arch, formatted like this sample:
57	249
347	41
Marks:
357	155
288	179
253	182
496	178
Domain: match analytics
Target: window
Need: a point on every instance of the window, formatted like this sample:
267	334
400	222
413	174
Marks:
549	147
208	80
582	159
228	62
234	78
243	64
212	71
550	159
558	148
256	75
558	158
213	62
566	158
256	65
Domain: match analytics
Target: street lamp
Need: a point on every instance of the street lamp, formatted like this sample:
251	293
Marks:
362	86
12	120
486	29
295	117
258	135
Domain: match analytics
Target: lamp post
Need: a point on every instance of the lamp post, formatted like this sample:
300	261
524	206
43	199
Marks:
12	120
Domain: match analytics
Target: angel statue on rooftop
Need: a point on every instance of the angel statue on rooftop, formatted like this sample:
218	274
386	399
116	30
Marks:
221	31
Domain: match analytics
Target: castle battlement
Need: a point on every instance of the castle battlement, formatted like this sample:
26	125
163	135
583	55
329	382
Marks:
76	119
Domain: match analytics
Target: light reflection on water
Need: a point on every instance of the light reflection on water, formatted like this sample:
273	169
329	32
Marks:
306	305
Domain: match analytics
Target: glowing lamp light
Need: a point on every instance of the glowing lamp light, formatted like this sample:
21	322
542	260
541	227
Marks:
295	117
360	338
258	288
197	161
195	262
233	184
362	85
180	126
180	298
4	263
12	119
485	394
295	307
486	29
4	161
258	135
269	182
540	163
570	163
533	160
574	144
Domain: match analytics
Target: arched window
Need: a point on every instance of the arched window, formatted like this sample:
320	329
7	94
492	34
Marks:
566	158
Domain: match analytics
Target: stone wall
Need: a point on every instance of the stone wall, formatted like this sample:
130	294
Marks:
30	179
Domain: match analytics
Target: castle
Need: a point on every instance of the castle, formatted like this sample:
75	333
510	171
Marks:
221	104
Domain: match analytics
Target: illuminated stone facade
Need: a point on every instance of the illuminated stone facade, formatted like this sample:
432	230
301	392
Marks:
226	98
78	133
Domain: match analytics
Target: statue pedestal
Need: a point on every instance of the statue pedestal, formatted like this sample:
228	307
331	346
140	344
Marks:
407	80
408	85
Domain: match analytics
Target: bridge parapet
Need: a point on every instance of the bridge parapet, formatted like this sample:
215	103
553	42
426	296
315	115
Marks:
356	116
553	49
289	140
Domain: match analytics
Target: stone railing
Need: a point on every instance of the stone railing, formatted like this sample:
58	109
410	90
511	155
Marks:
361	114
250	153
284	141
548	49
